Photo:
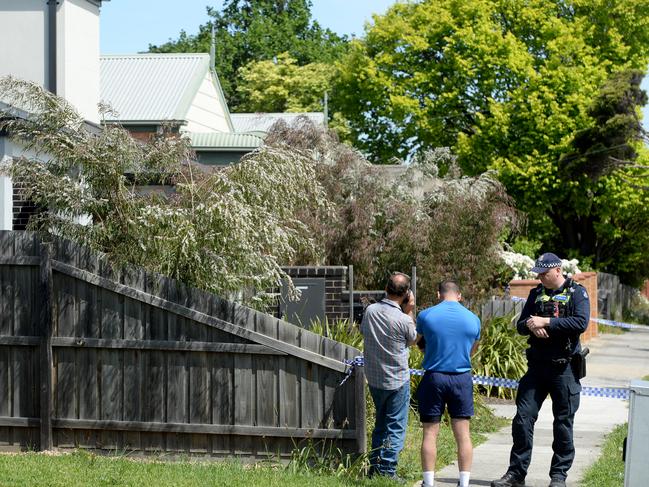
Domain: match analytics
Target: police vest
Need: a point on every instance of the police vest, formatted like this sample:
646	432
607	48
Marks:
558	305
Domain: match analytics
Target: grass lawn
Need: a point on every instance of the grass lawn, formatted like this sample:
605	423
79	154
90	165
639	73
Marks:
608	470
611	330
87	469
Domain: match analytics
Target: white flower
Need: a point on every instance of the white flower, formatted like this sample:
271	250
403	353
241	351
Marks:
522	265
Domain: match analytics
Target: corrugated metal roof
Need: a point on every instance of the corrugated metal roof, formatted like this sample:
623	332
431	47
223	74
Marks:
261	122
151	87
214	141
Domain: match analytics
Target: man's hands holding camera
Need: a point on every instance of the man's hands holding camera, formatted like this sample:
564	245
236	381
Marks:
408	303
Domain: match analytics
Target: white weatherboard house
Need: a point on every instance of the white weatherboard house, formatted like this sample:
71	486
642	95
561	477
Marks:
180	91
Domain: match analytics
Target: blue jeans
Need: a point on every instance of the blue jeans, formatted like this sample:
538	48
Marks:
390	428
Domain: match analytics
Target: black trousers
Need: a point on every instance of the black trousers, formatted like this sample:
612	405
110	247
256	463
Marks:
540	380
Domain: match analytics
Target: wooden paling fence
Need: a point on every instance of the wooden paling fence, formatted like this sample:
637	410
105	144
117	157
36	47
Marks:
500	307
98	357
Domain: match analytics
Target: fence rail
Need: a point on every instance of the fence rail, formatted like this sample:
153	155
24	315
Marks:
99	357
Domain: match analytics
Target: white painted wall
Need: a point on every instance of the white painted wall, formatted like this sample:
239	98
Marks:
23	39
207	113
24	48
6	191
78	56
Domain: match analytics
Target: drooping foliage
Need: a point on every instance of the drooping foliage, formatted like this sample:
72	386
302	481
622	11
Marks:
387	219
303	198
227	232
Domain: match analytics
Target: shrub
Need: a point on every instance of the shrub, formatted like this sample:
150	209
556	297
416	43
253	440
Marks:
224	232
378	225
638	311
340	330
501	353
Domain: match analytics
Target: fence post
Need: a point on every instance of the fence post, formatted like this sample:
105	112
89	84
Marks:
413	284
350	276
361	420
46	360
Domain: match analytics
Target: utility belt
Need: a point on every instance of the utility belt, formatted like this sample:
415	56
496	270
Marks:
577	361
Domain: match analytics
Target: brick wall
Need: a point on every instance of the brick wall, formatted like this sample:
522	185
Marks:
336	287
336	291
645	289
23	209
521	288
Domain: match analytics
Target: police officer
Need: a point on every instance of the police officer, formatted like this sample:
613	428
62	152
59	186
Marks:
555	314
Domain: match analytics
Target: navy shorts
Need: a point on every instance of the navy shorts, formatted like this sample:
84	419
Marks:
438	390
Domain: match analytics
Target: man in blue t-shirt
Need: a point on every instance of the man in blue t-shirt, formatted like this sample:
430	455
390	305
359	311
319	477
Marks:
451	333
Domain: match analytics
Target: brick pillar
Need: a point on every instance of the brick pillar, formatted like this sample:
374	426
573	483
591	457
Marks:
589	281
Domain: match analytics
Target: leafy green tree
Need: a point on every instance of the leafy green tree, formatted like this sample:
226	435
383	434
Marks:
429	73
513	85
259	30
281	85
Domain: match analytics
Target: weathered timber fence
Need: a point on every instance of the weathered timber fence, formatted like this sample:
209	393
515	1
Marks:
98	357
613	297
500	307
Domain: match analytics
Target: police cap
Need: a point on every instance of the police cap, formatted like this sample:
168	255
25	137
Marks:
546	262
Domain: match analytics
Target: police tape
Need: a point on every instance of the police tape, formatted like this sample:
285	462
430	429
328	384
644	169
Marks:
619	324
483	380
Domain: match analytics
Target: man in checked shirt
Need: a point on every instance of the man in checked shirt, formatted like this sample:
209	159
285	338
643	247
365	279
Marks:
388	329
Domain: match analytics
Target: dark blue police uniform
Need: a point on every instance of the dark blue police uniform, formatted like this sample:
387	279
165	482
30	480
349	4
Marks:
550	372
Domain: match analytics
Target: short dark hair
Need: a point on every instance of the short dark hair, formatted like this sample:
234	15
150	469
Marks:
449	286
398	284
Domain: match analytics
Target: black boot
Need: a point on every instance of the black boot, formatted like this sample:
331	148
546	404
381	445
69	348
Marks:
510	479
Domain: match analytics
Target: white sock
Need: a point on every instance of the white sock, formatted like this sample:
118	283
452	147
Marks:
464	479
429	479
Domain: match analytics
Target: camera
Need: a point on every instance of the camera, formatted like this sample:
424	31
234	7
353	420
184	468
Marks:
406	298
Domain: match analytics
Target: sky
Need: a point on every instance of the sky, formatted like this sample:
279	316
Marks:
129	26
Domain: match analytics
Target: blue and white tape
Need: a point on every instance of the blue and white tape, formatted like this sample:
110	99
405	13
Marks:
483	380
619	324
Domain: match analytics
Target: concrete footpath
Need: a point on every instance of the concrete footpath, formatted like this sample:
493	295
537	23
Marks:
614	361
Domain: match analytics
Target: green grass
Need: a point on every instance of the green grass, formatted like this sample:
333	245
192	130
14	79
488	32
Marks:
611	330
82	468
85	469
608	470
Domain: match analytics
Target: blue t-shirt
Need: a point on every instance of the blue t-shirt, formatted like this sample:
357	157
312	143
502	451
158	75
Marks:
450	331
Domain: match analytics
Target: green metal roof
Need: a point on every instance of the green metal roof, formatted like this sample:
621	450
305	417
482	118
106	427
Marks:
222	141
262	122
154	87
